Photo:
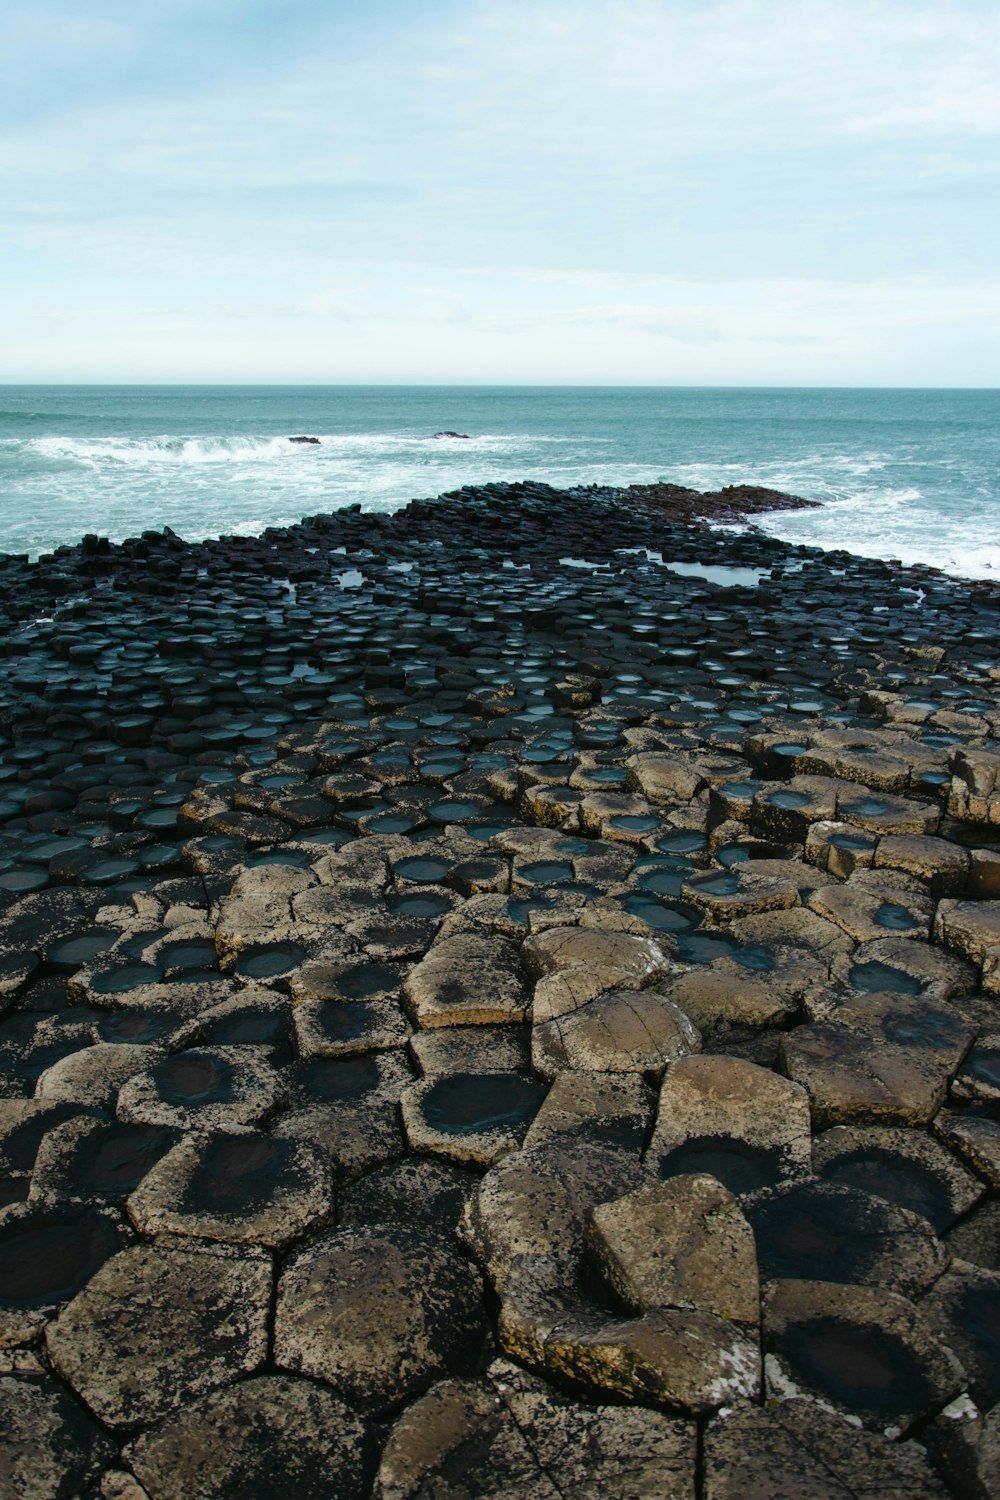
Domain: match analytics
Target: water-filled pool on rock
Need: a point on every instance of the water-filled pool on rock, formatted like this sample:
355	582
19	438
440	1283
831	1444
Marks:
239	1173
737	1164
787	800
138	1027
269	960
545	871
114	1163
682	843
806	1236
874	978
894	918
867	807
888	1174
194	953
715	883
863	1367
80	947
47	1256
246	1028
851	841
421	868
343	1078
191	1078
417	904
128	977
464	1103
663	916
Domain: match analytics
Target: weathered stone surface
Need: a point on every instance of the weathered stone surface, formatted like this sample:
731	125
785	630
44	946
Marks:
470	1117
157	1327
49	1446
915	968
881	1059
378	1314
734	1120
663	778
820	1231
607	1109
863	1350
471	979
884	814
975	1138
798	1451
693	1360
565	991
712	999
867	915
203	1089
680	1243
336	1028
348	1107
970	928
94	1075
963	1308
977	1238
472	1049
536	1202
88	1159
624	1031
420	1192
979	1079
941	866
743	890
271	1436
562	948
907	1167
236	1186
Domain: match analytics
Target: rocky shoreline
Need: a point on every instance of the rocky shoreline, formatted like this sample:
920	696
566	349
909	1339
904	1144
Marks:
499	1000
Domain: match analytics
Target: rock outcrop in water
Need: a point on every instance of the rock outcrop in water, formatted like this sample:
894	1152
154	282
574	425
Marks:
485	1012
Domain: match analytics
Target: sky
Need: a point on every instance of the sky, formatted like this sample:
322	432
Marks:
693	192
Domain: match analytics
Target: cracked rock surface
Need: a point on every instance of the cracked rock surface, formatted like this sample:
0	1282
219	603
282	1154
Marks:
500	1028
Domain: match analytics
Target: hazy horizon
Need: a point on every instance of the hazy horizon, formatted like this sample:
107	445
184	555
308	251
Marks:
731	194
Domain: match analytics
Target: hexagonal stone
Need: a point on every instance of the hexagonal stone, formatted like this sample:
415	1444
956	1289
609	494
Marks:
880	1059
236	1186
473	1117
269	1437
884	814
963	1309
624	1031
47	1253
87	1158
690	1359
157	1327
535	1202
95	1074
731	1119
49	1446
349	1108
332	1028
419	1192
378	1314
867	915
977	1238
472	1049
562	948
798	1451
681	1243
743	890
907	1167
941	866
862	1350
607	1109
561	993
23	1124
713	999
203	1089
970	928
899	965
469	979
819	1231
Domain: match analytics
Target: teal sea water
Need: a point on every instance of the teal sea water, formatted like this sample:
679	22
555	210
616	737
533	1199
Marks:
913	474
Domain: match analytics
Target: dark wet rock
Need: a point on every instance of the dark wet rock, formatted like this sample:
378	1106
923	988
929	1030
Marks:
203	1089
49	1446
963	1309
157	1327
607	1109
470	1117
271	1436
798	1451
236	1186
378	1314
420	1192
349	1108
47	1253
907	1167
822	1231
88	1159
862	1350
733	1120
977	1238
331	1028
680	1243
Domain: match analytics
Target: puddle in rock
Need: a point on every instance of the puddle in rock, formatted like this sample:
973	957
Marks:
682	843
896	1178
422	904
421	868
663	882
138	1027
788	799
464	1103
46	1257
246	1028
196	954
239	1173
364	980
738	1165
128	977
634	822
80	947
867	807
296	859
875	978
853	841
194	1078
545	871
894	918
662	916
984	1065
715	884
342	1078
268	960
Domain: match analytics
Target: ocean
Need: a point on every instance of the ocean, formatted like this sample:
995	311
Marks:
911	474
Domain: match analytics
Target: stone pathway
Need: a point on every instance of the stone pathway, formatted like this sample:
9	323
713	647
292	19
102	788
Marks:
484	1015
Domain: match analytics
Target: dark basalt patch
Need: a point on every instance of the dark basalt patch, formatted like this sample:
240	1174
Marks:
423	869
863	1369
738	1165
269	960
417	905
47	1255
877	978
126	977
890	1175
336	1078
240	1173
192	1078
111	1163
463	1103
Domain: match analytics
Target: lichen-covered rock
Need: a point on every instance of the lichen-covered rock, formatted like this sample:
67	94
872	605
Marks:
472	1117
271	1435
624	1031
203	1089
469	979
49	1446
562	948
607	1109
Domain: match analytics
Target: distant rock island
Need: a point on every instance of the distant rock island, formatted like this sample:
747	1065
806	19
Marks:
314	440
